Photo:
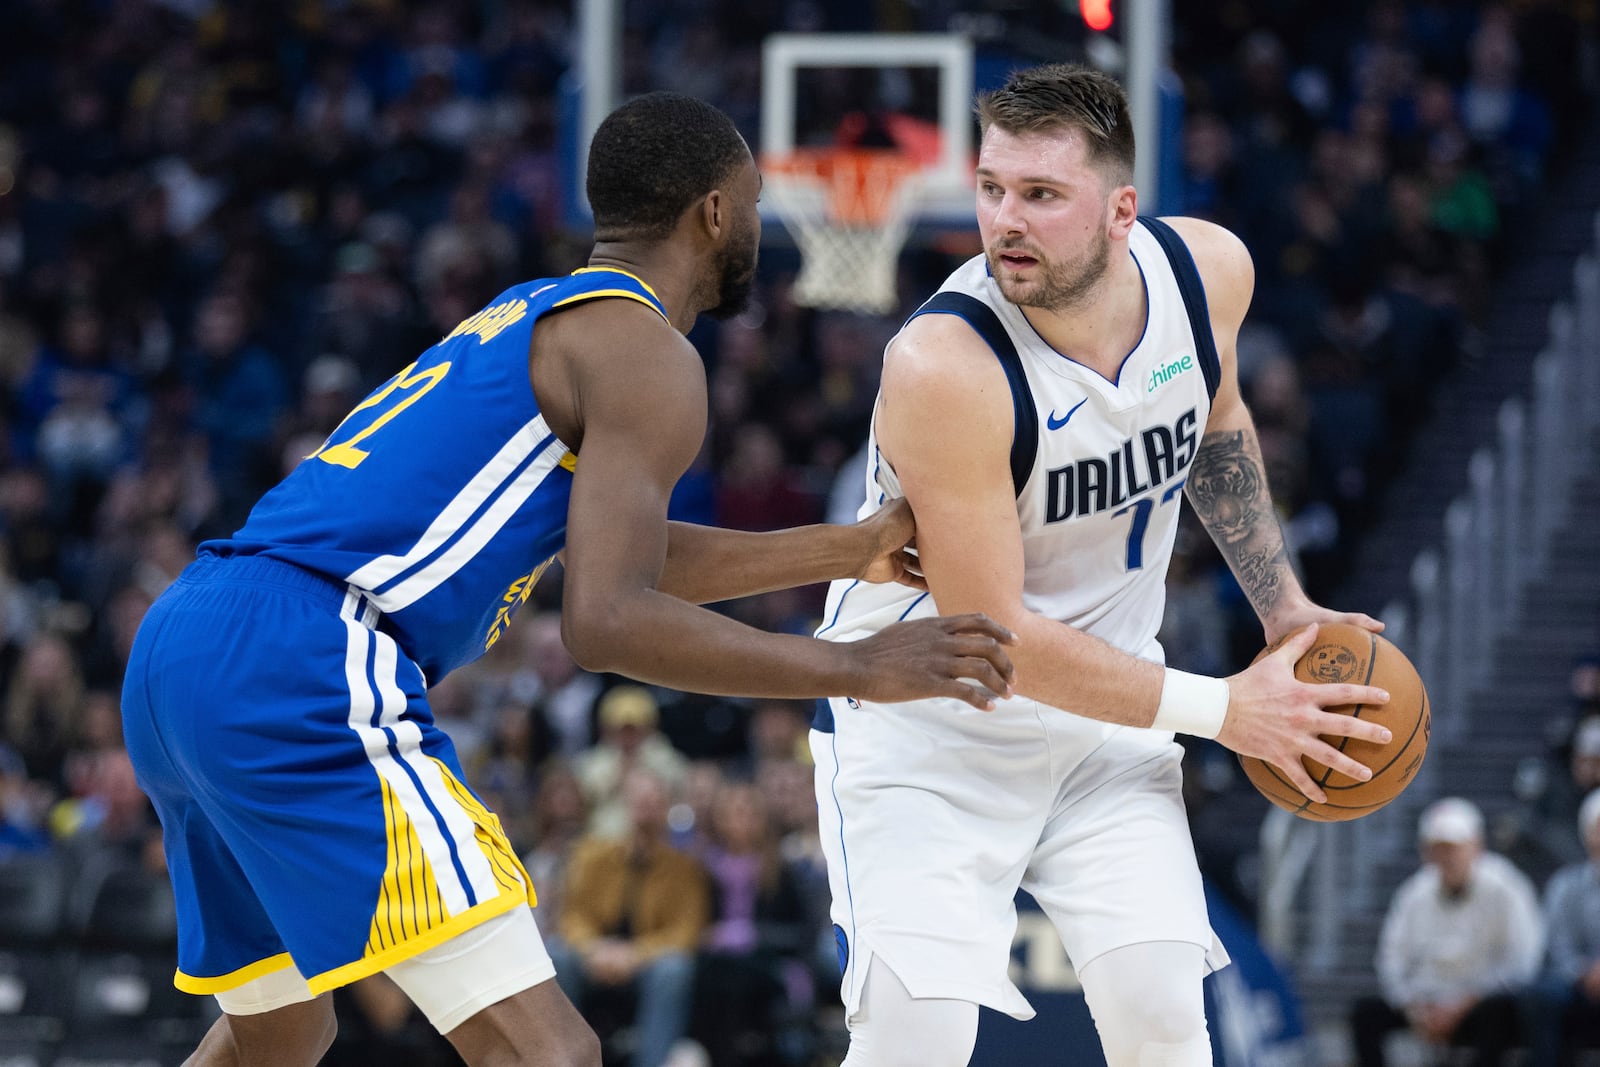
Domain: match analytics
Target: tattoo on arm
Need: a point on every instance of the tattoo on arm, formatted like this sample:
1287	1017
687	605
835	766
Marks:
1228	488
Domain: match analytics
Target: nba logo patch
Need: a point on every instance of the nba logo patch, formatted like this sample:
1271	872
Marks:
855	705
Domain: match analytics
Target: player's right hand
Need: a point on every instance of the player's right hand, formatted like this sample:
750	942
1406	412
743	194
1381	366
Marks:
960	656
1276	717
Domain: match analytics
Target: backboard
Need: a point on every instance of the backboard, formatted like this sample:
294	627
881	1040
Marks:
908	91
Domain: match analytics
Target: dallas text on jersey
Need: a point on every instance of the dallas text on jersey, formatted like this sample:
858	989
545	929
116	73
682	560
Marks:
1089	486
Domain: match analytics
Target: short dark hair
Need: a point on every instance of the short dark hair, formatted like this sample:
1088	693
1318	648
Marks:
1066	95
653	157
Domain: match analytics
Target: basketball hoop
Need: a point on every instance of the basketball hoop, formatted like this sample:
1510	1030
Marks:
849	210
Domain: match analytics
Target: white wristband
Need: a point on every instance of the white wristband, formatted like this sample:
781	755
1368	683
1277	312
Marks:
1191	704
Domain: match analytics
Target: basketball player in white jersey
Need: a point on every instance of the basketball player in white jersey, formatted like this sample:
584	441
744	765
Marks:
1044	414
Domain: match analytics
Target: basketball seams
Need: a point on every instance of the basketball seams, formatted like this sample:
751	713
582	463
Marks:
1276	787
1372	663
1417	722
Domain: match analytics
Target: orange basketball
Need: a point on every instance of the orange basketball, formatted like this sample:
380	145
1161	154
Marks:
1346	653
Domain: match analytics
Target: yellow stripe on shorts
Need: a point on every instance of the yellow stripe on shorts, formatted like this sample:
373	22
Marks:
491	837
408	897
409	904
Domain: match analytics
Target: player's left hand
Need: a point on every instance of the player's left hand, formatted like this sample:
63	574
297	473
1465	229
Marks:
890	532
1287	619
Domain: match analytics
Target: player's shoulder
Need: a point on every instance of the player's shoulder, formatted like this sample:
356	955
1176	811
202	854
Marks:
1224	263
618	322
938	351
1216	249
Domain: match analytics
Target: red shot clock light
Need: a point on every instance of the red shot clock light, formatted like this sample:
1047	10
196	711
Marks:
1096	14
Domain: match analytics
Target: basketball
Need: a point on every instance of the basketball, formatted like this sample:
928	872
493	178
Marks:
1346	653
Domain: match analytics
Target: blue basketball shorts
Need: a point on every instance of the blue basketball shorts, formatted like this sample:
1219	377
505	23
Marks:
313	813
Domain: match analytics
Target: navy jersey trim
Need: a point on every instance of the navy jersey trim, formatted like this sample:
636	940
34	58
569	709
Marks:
1194	299
822	716
981	317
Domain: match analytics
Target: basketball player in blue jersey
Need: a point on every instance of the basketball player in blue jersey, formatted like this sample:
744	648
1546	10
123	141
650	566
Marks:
1045	414
317	825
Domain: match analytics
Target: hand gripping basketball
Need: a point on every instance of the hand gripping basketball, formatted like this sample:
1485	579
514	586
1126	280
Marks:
1338	653
1300	708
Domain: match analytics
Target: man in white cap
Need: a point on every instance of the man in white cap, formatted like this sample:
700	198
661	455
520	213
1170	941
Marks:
1462	939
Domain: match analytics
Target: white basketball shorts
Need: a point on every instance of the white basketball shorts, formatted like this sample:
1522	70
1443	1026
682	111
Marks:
933	814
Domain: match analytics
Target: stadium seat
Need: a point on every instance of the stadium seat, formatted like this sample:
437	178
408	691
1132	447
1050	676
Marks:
126	928
123	907
33	892
35	967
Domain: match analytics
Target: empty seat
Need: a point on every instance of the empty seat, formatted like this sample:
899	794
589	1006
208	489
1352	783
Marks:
33	895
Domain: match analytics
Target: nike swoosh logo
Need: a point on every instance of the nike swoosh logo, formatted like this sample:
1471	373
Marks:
1055	423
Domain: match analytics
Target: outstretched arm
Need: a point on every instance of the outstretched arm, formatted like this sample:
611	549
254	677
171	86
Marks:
638	391
706	564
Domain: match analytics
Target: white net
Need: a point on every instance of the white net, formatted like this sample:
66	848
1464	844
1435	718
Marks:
850	213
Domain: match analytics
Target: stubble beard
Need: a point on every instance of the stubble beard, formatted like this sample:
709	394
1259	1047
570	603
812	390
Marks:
736	278
1061	286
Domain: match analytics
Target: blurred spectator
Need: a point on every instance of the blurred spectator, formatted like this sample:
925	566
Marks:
1194	629
44	706
505	772
758	492
330	388
634	910
752	978
629	738
23	807
1513	124
1583	683
560	816
115	628
71	404
103	801
28	528
367	319
1538	833
563	694
468	236
451	699
690	818
1564	1008
1462	938
239	393
778	732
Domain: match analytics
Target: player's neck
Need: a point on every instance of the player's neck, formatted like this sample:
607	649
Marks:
669	274
1101	328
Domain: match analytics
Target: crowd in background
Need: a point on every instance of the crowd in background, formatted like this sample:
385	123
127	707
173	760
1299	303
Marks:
221	224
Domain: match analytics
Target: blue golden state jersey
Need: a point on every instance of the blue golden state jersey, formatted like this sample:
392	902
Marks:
443	495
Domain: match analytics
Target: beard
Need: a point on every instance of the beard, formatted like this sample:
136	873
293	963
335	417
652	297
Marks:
1060	286
736	276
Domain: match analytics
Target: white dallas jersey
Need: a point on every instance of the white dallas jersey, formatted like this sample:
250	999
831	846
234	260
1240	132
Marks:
1099	465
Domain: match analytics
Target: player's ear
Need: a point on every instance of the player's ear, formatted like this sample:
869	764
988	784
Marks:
1123	209
714	213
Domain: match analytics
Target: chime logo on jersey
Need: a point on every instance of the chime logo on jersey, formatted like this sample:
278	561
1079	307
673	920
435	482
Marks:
1089	486
1168	371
